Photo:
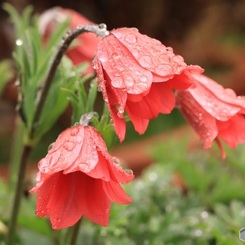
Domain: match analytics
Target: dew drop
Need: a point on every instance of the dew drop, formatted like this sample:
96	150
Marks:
143	79
117	82
116	56
69	145
84	167
116	161
145	61
130	38
103	57
19	42
74	131
79	139
135	52
129	81
50	146
163	70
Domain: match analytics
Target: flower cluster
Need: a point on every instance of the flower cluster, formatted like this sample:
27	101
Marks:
139	78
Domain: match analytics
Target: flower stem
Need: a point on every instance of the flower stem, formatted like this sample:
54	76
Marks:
74	233
18	193
99	30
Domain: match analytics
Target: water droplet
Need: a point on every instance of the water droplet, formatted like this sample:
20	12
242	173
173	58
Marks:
145	61
69	145
19	42
117	82
116	56
43	165
130	38
103	57
107	210
84	167
116	161
50	146
129	81
135	52
74	131
163	69
128	171
143	79
79	139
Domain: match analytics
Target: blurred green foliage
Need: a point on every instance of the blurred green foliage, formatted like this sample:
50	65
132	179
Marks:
210	212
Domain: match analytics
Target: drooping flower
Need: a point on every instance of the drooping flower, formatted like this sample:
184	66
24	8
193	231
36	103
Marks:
137	75
79	178
84	47
214	112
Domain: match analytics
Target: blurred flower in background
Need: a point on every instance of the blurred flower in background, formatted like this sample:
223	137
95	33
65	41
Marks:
84	47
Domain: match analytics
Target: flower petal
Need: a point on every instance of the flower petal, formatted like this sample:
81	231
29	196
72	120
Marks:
202	122
160	99
116	193
150	53
232	131
121	67
214	98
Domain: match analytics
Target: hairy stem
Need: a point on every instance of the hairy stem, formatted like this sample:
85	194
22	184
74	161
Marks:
18	194
99	30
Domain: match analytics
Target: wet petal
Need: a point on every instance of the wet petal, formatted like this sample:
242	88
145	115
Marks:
202	122
232	131
122	69
214	98
150	53
160	99
116	193
64	150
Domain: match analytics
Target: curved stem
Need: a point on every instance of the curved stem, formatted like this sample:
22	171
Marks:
100	30
18	193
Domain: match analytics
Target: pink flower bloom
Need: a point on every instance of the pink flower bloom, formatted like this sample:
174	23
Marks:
78	177
84	47
137	74
214	112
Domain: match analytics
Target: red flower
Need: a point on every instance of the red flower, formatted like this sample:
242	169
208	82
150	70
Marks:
85	45
137	74
78	177
214	112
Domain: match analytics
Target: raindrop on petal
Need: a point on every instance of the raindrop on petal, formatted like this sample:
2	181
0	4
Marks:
163	70
50	146
129	81
103	57
130	38
69	145
145	61
74	131
117	82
